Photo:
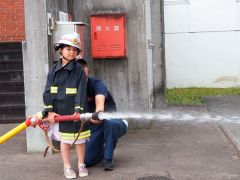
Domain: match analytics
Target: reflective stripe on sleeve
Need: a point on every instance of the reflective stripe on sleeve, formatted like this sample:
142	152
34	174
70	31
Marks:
54	89
72	136
71	90
79	107
48	107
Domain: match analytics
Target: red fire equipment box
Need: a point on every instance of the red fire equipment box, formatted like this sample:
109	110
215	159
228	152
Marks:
108	36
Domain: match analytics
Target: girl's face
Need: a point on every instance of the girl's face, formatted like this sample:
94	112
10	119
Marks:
69	52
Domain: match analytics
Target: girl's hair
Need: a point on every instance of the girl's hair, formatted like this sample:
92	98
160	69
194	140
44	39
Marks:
61	46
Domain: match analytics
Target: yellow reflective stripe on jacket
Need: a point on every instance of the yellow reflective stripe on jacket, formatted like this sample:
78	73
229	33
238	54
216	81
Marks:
71	90
54	89
49	106
72	136
78	107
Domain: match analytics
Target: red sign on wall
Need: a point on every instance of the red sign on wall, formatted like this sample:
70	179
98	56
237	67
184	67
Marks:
108	36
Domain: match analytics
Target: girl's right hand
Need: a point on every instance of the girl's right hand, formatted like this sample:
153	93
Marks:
34	122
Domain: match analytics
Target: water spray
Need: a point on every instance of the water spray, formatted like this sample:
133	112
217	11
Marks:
161	116
169	116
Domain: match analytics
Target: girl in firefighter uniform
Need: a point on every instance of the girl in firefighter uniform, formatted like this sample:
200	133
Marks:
65	94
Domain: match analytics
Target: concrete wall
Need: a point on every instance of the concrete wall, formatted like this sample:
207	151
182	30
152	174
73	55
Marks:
128	79
202	43
54	6
158	61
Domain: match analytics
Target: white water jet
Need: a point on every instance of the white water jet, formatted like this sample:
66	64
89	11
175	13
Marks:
176	117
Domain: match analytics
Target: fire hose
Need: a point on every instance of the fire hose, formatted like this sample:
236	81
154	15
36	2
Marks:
28	122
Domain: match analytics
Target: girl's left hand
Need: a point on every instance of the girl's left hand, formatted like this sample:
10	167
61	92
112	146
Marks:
76	114
51	116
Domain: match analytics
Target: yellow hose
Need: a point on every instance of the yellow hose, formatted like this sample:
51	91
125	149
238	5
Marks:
13	132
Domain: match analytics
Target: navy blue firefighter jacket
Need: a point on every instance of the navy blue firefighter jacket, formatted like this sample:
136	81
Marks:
65	93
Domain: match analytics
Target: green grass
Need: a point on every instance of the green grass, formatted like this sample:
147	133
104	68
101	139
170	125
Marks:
193	96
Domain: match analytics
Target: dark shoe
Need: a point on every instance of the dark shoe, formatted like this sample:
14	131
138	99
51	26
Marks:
108	165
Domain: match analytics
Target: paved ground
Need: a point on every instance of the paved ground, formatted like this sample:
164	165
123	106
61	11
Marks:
229	108
161	151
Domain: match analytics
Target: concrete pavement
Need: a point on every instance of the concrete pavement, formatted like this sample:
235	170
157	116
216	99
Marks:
156	150
228	107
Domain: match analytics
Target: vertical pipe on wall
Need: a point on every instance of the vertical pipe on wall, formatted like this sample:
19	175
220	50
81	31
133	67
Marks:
148	24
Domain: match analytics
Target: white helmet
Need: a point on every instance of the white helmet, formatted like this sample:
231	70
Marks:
72	39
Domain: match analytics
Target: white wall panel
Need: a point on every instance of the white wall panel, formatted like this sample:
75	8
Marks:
213	15
203	59
238	14
201	15
202	43
176	17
